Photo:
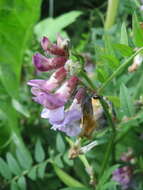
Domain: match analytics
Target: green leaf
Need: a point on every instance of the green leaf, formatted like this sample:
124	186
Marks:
10	82
13	125
105	177
127	108
67	160
110	185
22	183
124	36
33	173
124	49
115	100
50	27
15	35
112	61
24	159
20	108
101	75
58	161
138	88
137	32
13	164
39	152
4	169
60	143
67	179
41	170
108	173
14	186
108	45
5	132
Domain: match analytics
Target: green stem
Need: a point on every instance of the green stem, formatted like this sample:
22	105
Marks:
107	156
109	118
118	70
85	76
111	13
110	147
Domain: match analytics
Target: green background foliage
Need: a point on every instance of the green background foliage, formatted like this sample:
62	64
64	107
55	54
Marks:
34	157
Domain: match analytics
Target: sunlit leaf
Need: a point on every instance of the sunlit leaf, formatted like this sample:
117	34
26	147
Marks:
50	27
15	36
66	178
124	49
137	32
124	36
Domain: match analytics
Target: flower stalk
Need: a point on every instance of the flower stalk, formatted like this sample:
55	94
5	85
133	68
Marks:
110	147
111	13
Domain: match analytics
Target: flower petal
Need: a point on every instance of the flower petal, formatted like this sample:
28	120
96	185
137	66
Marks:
52	48
50	101
54	116
43	63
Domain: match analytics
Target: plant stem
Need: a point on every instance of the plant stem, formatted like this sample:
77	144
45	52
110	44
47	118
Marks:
51	8
118	70
107	156
111	13
85	76
110	147
109	118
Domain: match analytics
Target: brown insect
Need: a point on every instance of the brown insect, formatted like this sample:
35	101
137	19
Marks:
92	116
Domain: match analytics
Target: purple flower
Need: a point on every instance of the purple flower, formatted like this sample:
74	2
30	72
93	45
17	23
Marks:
55	115
48	85
50	101
67	121
43	63
53	100
57	49
123	176
127	156
71	123
67	88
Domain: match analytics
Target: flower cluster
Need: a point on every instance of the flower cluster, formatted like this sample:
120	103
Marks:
123	175
58	89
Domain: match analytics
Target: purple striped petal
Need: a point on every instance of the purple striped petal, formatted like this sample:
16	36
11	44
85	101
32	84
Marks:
43	63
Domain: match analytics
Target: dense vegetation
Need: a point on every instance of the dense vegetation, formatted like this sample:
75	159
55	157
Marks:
99	146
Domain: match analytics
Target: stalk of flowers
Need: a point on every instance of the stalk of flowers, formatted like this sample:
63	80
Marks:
59	89
124	175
